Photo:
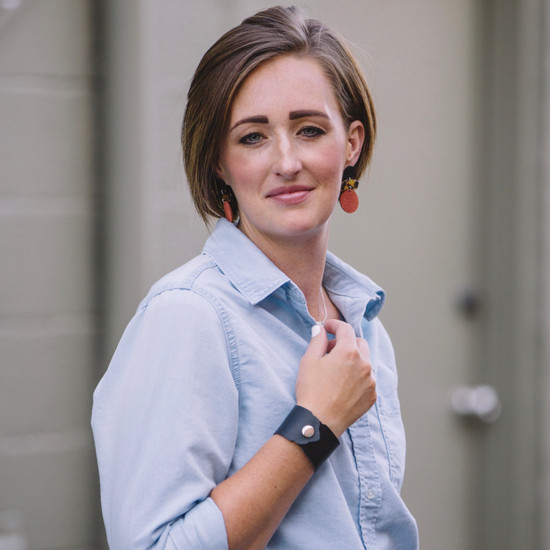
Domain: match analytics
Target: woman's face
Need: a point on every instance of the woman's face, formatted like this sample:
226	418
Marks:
285	150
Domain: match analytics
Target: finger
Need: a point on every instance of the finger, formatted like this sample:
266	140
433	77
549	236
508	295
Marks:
364	350
340	329
343	332
332	325
330	345
318	344
363	347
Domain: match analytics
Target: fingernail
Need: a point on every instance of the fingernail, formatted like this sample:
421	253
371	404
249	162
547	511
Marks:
315	330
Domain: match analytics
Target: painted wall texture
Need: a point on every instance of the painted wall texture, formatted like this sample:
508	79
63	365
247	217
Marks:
47	310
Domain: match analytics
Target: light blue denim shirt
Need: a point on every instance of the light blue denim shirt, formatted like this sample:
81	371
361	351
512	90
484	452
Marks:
203	376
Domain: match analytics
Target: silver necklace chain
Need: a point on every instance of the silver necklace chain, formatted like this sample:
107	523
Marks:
321	323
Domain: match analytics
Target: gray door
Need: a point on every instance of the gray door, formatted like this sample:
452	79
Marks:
415	234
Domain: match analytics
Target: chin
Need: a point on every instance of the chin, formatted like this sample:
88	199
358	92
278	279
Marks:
289	225
303	229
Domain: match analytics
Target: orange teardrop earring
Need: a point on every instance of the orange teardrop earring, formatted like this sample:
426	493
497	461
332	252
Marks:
349	201
226	193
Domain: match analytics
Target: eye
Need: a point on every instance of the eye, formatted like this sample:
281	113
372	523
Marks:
251	139
311	131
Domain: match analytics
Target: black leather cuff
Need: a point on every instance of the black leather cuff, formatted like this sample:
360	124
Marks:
315	439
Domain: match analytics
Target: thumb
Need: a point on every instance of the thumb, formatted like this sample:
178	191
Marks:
318	343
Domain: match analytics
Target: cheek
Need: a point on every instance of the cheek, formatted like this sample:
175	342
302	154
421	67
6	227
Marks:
329	166
242	177
230	170
333	152
238	170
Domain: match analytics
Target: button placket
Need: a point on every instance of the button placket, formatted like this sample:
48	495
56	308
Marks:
369	479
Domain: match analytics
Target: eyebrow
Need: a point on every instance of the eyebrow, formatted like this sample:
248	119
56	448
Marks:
262	119
293	115
306	113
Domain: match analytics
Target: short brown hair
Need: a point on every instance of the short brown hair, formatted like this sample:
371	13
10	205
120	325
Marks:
270	33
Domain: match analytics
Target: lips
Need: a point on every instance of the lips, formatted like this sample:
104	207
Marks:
288	189
290	194
285	192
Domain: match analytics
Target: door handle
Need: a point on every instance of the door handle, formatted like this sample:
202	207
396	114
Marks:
480	402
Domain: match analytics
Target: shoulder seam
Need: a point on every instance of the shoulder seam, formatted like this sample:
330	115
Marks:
229	333
231	341
186	284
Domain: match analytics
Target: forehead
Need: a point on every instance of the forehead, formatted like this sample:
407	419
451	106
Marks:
285	82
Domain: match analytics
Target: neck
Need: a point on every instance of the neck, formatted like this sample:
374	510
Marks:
303	261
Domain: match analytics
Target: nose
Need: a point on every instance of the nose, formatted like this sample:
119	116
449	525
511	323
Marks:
287	161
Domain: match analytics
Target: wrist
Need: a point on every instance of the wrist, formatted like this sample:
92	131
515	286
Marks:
316	440
325	416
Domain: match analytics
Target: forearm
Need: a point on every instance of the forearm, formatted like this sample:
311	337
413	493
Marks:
256	498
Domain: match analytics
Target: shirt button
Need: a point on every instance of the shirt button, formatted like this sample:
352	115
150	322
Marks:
370	494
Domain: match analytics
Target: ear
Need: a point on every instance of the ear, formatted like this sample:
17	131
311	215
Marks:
218	170
356	138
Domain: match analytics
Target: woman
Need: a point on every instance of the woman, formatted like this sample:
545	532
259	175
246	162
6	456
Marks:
241	409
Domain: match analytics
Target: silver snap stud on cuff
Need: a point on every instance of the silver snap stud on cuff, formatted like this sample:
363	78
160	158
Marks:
308	431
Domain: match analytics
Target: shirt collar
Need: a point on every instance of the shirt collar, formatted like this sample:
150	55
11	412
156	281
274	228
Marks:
253	274
256	277
352	292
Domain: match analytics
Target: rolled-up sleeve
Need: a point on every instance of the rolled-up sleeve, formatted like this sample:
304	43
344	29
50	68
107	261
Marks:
165	421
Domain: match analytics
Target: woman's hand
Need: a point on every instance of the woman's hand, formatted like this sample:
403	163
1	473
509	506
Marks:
335	381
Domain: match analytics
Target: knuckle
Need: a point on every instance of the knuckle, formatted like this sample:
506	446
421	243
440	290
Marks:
352	355
362	343
366	368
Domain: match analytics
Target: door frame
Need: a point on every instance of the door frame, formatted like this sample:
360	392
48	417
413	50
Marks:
511	506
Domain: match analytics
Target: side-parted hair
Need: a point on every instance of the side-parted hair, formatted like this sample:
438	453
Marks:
270	33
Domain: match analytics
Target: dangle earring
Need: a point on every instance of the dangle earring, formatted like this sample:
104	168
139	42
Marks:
226	195
349	201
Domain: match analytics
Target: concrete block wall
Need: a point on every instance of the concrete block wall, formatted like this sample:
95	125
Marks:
47	311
